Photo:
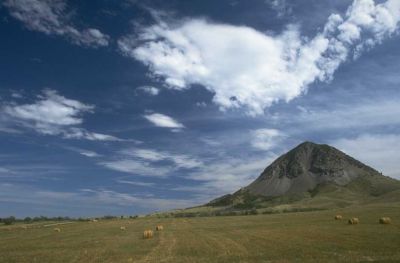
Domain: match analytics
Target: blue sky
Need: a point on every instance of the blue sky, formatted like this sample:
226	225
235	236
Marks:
126	107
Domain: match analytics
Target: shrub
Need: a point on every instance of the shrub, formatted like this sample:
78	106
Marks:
9	220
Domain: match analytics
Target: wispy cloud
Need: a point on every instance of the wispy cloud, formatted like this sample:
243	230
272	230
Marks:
53	114
89	153
377	150
162	120
266	139
92	200
253	69
362	114
282	7
153	91
136	183
137	167
227	175
149	162
179	160
52	18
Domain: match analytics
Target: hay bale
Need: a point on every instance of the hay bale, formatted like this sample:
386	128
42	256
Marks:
354	221
122	228
385	220
57	230
338	217
159	228
147	234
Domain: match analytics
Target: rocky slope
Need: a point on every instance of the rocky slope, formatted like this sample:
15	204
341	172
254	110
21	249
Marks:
307	166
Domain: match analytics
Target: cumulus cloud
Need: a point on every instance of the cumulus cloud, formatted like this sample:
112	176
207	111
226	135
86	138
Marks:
266	139
247	68
149	90
377	150
51	18
53	114
161	120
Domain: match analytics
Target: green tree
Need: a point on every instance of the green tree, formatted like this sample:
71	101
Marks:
9	220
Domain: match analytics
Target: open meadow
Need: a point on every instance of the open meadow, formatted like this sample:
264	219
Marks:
287	237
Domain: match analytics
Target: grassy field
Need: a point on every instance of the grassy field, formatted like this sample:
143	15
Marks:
289	237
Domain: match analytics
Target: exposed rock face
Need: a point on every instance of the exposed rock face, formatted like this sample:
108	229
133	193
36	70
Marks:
306	166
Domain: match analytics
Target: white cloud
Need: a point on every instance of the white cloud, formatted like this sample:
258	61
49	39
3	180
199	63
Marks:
83	152
161	120
51	18
136	183
148	162
80	133
380	151
89	153
266	139
363	114
51	109
281	7
201	104
53	114
228	175
137	167
247	68
179	160
150	90
5	171
91	200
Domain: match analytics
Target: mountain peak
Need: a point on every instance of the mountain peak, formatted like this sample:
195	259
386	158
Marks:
306	166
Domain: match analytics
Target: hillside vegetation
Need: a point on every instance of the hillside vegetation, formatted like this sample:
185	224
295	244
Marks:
309	177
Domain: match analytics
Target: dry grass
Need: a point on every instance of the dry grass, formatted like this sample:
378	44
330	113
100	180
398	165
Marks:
293	237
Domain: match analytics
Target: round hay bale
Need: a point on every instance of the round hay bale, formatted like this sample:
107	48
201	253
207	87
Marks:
385	220
57	230
147	234
338	217
159	228
122	228
354	221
